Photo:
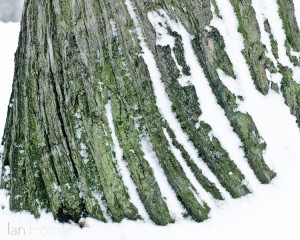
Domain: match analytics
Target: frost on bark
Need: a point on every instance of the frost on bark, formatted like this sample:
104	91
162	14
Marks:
77	57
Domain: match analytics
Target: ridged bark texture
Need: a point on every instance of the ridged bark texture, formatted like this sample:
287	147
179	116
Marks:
80	61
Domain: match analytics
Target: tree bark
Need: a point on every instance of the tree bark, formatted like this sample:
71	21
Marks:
79	59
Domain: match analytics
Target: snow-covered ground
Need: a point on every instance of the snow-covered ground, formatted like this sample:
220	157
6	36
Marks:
271	212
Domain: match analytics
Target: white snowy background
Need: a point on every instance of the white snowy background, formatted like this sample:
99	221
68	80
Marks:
10	10
270	213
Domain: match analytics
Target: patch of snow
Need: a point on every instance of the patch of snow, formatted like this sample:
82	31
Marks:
275	78
265	39
78	114
81	191
101	86
229	82
79	131
56	188
68	186
6	174
296	75
84	153
296	54
113	27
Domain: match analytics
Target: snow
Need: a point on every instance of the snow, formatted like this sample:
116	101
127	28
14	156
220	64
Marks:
229	82
83	153
113	27
10	11
271	212
265	39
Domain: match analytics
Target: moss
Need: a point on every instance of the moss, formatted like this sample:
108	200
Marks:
291	91
275	87
287	14
179	53
255	51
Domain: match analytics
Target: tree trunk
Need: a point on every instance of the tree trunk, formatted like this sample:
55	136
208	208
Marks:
84	101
